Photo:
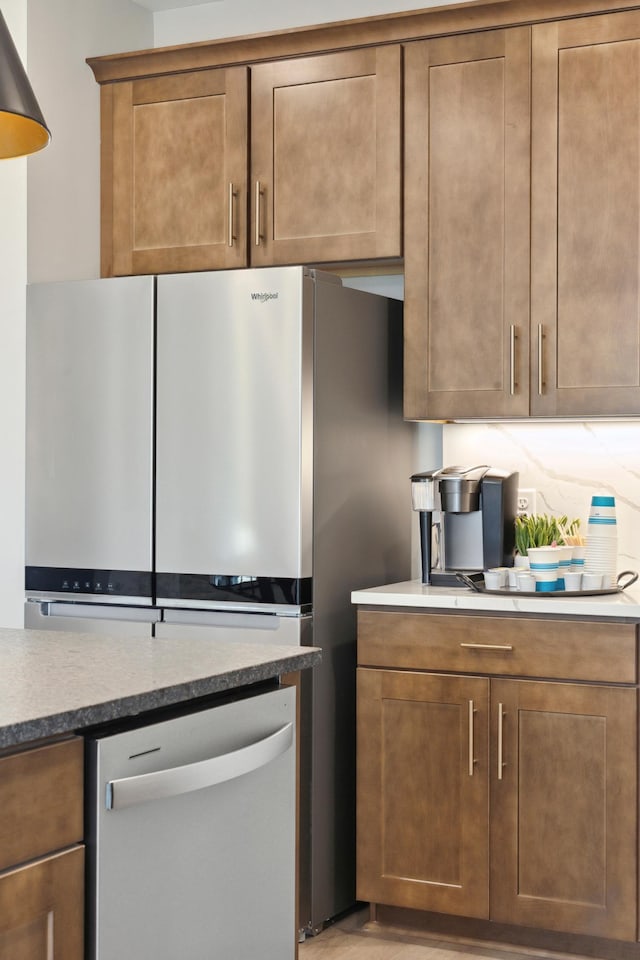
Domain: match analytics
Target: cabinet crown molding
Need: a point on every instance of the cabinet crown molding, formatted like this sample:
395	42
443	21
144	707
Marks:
344	35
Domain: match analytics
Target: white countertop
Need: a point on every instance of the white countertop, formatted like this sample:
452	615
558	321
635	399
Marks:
412	593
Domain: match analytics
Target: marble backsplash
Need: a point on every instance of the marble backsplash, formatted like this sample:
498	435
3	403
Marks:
565	463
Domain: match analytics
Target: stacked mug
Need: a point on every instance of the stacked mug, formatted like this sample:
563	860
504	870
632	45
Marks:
544	563
550	566
565	555
577	557
602	540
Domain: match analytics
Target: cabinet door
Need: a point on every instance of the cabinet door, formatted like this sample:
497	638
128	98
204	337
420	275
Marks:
325	158
422	791
466	240
563	814
41	801
42	909
585	305
174	169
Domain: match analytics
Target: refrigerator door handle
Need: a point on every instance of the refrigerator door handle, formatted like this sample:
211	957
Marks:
52	608
129	791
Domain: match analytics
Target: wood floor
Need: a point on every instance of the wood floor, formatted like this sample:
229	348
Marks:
354	938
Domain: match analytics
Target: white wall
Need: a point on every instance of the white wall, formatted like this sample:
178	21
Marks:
64	180
13	273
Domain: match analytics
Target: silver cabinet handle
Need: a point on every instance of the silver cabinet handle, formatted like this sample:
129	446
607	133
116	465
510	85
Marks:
487	646
258	212
471	744
500	719
540	360
232	195
512	359
194	776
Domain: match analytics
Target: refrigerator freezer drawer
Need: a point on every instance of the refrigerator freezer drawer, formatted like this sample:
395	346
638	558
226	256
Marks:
235	627
106	619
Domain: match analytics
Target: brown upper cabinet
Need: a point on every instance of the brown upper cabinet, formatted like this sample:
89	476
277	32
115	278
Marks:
325	165
467	225
326	157
174	172
585	297
483	339
521	237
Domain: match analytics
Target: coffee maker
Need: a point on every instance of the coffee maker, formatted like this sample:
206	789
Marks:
467	520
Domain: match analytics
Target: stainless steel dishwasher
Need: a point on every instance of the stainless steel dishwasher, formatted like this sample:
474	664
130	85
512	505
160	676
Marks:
191	834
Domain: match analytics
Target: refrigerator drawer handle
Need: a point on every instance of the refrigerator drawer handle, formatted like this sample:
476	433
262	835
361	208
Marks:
194	776
95	611
215	618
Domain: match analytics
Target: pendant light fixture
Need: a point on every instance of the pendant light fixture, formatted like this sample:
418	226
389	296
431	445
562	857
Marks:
22	126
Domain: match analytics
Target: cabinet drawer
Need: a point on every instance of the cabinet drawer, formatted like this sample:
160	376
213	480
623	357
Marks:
509	646
41	801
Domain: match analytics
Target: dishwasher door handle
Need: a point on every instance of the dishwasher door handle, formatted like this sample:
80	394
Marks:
194	776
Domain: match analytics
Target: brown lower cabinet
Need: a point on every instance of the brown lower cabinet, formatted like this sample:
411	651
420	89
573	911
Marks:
41	856
42	909
498	797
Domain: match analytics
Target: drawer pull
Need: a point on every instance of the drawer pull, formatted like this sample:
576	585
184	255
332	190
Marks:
471	744
487	646
500	720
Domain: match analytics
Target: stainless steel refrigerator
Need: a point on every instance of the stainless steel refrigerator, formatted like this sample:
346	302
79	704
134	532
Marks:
224	453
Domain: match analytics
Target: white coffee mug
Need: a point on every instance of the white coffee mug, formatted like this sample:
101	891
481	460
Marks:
591	581
526	582
572	580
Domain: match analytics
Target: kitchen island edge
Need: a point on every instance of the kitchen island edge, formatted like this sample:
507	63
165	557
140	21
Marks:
52	685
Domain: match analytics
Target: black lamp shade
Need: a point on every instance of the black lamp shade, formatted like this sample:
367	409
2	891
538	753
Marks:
22	126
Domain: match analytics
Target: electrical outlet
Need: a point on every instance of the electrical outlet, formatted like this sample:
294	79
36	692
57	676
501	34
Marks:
526	501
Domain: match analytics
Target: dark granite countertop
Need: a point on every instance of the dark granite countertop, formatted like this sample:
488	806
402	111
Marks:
53	683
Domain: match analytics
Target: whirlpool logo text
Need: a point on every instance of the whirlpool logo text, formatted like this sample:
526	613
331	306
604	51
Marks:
264	297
